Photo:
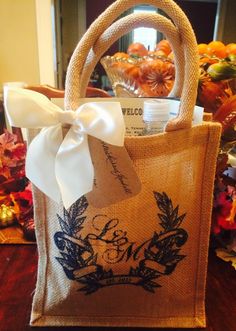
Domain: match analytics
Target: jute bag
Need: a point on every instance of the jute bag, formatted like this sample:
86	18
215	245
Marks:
140	262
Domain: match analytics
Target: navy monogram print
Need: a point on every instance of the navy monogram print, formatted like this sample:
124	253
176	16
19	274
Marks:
154	258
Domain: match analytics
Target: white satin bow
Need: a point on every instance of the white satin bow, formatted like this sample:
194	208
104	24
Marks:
62	168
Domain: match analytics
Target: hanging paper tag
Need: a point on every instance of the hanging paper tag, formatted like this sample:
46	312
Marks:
115	178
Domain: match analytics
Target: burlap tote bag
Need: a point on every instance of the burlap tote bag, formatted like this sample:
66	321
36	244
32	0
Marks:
141	262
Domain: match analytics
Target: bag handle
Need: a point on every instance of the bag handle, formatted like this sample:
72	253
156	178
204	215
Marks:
189	93
125	25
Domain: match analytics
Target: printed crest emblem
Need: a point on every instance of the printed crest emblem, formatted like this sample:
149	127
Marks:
156	257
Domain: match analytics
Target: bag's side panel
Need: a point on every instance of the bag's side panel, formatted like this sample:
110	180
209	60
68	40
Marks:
40	218
212	150
136	263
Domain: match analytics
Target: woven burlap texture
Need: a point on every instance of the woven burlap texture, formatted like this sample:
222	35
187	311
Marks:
180	163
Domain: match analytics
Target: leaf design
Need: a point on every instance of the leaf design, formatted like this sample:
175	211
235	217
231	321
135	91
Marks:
161	253
66	263
78	208
164	203
149	255
64	225
72	216
76	228
72	246
163	248
174	215
178	220
165	222
150	286
169	219
68	258
59	240
67	267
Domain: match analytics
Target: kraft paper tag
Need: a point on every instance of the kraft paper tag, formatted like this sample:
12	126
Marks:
115	178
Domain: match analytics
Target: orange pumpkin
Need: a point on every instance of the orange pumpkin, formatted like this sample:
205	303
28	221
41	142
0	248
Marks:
216	48
202	49
163	46
231	49
137	49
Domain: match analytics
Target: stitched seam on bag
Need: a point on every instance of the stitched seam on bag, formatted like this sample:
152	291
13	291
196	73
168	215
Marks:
165	146
109	322
45	243
203	324
122	316
200	233
46	252
38	196
201	310
40	304
35	318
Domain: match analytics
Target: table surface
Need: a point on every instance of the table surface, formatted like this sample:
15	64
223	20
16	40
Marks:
18	267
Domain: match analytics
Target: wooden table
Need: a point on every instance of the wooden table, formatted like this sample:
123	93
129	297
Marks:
18	267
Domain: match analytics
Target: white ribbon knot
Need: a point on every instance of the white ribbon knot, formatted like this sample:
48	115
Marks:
62	168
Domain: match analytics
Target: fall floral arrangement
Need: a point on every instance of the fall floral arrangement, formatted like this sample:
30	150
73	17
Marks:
16	206
142	73
217	94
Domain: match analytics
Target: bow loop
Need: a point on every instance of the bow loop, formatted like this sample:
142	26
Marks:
102	120
62	168
29	109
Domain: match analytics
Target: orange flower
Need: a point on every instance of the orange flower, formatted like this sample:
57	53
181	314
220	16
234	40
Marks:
157	77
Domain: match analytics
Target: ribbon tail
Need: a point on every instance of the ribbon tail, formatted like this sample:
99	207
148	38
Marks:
40	161
74	168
